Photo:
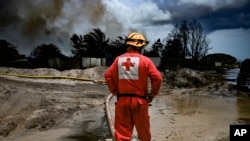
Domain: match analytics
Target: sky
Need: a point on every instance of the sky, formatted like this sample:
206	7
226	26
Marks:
29	23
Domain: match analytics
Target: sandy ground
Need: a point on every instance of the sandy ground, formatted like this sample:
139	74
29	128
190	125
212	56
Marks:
67	110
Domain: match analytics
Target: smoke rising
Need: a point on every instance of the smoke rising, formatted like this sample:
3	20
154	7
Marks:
29	23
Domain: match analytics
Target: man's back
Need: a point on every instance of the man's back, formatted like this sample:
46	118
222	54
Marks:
130	72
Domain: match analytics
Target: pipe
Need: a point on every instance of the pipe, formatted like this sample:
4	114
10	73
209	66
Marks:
52	77
109	117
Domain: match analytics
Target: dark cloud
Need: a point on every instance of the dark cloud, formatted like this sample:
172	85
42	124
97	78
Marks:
227	18
7	14
221	16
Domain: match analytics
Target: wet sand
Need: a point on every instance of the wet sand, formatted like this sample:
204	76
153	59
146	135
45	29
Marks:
45	110
197	117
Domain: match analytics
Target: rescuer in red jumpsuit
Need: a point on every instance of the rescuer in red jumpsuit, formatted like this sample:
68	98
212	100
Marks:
127	78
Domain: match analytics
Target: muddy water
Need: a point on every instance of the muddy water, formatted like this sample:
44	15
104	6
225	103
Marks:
100	133
236	109
198	117
231	75
243	109
94	127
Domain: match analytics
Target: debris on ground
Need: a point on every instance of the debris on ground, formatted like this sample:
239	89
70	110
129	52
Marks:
188	78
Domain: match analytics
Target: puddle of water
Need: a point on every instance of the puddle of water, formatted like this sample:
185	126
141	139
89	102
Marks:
98	134
243	108
231	75
94	127
197	117
236	109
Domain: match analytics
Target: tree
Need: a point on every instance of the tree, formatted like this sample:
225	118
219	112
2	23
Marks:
92	44
115	48
184	35
176	42
198	43
174	49
172	55
77	43
45	52
190	36
8	53
156	50
96	43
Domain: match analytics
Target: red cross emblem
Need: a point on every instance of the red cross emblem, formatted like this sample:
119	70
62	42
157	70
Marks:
128	64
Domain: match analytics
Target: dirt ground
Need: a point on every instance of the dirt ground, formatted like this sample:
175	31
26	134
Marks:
69	110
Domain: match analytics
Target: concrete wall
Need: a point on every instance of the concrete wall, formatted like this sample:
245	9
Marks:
93	62
156	61
85	62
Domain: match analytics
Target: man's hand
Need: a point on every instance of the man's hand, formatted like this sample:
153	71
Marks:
150	98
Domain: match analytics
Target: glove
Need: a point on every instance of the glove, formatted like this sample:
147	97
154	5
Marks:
150	98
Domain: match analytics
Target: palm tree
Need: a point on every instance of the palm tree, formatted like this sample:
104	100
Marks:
78	45
96	43
114	49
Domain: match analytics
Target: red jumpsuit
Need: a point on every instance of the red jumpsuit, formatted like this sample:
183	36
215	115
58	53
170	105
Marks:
129	74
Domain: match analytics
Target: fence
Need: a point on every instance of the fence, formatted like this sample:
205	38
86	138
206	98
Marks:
85	62
93	62
74	63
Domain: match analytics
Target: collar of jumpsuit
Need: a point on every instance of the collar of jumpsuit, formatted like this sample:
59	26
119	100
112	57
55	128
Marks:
130	50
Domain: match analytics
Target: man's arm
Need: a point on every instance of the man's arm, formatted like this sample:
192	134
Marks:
111	78
156	79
